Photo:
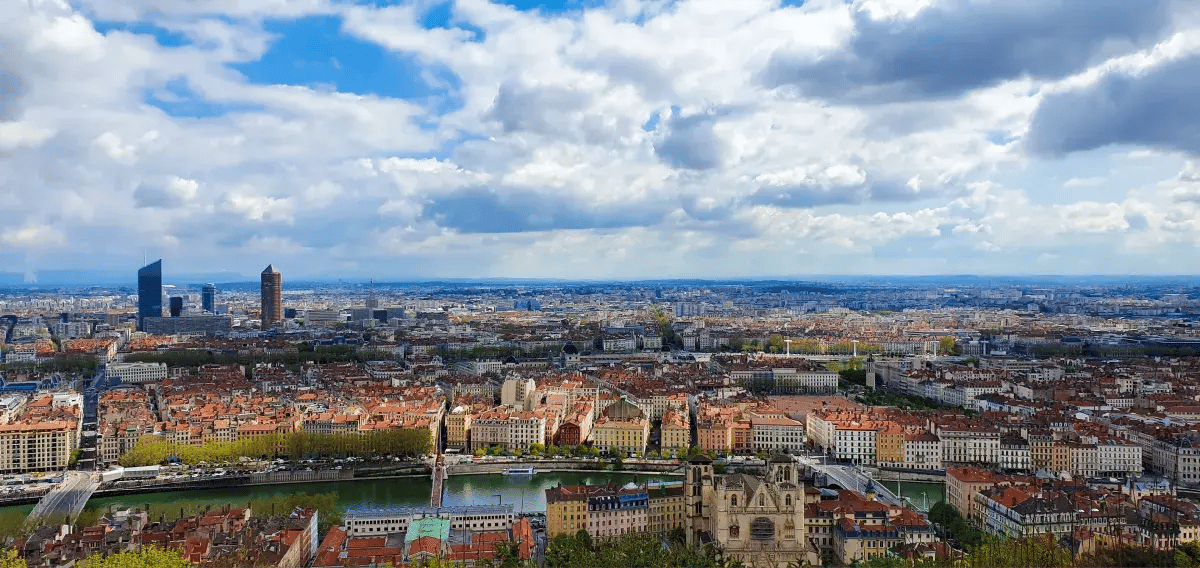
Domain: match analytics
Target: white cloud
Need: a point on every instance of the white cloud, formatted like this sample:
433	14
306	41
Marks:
657	156
33	236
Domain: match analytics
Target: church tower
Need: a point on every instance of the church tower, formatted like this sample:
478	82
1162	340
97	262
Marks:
699	485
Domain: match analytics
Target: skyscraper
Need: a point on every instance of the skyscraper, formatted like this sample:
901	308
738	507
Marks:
272	296
149	292
208	298
176	306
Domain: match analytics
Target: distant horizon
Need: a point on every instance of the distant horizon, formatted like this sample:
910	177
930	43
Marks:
111	278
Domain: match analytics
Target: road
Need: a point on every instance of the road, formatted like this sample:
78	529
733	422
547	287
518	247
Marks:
67	499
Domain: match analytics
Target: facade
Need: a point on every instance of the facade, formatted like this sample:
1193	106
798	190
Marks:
614	513
855	442
458	428
381	521
566	509
201	324
1118	457
272	296
136	373
606	511
1018	512
40	446
968	444
668	510
922	451
889	445
676	431
149	292
1014	453
628	435
760	520
208	298
777	435
516	392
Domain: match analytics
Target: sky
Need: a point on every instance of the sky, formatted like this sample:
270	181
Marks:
601	138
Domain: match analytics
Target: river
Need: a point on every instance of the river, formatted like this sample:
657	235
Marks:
526	494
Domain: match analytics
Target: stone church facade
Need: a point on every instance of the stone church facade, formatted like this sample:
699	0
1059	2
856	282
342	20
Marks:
758	520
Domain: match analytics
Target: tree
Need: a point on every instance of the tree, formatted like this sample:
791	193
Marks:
11	559
146	557
946	345
1018	553
508	555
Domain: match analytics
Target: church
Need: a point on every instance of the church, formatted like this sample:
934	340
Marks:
758	520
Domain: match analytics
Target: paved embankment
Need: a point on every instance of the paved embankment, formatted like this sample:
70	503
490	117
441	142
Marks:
493	467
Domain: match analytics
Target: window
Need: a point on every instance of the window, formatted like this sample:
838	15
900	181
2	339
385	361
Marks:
762	528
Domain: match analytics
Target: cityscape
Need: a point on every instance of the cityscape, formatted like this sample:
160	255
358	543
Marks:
862	421
599	283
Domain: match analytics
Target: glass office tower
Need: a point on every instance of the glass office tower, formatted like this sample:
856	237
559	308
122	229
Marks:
149	292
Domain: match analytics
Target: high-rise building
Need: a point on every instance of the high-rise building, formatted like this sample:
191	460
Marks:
149	292
176	306
208	298
272	296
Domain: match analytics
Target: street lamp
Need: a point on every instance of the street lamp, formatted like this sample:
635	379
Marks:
500	497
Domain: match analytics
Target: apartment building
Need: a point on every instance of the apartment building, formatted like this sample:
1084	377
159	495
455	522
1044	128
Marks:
458	427
37	446
1016	512
889	445
137	373
922	450
668	509
629	435
614	513
676	431
777	435
855	442
968	443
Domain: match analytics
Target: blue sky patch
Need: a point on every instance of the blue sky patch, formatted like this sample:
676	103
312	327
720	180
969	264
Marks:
314	52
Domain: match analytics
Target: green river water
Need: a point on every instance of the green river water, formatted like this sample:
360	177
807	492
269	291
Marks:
526	494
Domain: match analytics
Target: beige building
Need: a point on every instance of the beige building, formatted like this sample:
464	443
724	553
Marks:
38	446
458	427
759	521
623	426
518	393
676	431
667	509
628	435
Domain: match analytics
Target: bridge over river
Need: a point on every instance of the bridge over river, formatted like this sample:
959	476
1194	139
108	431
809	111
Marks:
66	500
855	479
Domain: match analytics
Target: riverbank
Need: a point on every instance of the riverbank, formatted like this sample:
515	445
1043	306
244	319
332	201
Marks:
484	468
361	473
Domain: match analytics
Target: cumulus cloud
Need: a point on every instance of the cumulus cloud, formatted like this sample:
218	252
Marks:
691	142
1156	108
174	192
13	88
505	156
954	46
